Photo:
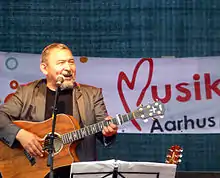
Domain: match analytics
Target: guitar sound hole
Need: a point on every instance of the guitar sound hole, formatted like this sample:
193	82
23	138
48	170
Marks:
57	144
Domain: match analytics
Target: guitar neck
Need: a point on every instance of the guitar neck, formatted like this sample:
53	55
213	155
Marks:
95	128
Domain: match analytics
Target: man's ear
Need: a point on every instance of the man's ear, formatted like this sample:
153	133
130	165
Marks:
43	68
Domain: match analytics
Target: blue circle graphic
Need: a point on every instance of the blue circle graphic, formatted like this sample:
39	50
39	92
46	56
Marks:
11	63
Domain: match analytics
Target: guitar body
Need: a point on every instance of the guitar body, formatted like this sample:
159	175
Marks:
14	163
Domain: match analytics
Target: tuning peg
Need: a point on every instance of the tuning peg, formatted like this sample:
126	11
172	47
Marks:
142	116
148	106
156	103
141	105
167	162
159	112
179	150
178	156
171	150
140	109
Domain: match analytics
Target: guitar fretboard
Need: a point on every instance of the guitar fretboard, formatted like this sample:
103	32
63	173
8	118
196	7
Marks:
95	128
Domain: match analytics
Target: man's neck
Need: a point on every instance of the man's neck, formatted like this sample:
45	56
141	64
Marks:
51	86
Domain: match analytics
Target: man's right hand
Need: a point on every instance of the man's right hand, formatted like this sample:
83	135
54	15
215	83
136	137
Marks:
30	142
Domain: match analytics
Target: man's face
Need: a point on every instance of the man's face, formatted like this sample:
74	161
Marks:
60	61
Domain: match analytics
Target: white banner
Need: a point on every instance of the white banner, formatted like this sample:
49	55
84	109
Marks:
188	87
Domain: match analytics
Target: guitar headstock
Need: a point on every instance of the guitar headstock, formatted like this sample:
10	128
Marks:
151	110
174	155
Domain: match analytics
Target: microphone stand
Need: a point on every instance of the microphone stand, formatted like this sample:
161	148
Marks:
52	135
115	172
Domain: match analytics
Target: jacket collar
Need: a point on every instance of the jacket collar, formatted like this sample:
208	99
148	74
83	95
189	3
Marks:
40	94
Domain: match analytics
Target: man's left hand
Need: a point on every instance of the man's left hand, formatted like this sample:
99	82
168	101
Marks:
111	129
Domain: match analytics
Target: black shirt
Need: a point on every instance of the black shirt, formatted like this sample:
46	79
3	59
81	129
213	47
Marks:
64	104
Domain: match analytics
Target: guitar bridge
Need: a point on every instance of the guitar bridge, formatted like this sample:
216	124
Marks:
30	158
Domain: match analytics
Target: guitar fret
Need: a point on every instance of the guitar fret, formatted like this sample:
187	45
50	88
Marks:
97	127
94	128
130	116
79	134
75	136
70	137
124	118
91	130
127	116
142	112
64	139
88	131
115	121
83	132
111	121
106	123
67	138
101	125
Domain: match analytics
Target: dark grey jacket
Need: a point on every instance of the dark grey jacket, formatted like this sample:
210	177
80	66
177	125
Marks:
28	103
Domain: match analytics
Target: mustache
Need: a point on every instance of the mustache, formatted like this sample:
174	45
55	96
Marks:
67	73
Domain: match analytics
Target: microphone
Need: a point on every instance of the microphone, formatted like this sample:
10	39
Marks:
59	80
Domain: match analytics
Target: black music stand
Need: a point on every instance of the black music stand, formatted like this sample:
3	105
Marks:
122	169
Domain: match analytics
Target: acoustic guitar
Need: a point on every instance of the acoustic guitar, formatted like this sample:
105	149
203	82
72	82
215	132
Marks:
18	163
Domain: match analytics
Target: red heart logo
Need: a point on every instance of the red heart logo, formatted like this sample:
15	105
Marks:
123	77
